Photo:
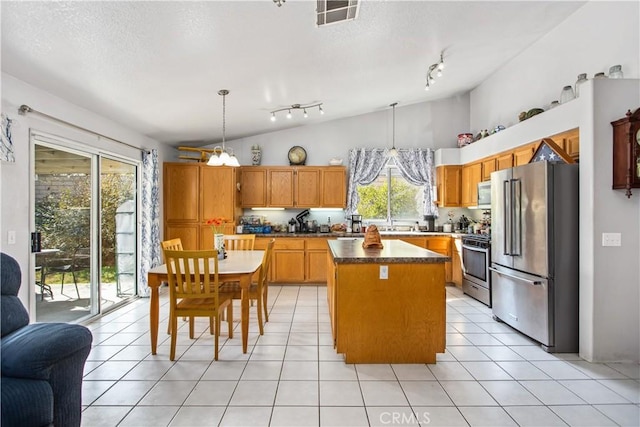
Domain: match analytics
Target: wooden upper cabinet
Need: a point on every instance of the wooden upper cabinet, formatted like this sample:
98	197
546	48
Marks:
218	193
334	187
181	192
488	166
504	161
471	176
280	187
254	187
289	187
448	185
307	187
522	155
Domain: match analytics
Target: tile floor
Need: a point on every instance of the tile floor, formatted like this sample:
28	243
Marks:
291	376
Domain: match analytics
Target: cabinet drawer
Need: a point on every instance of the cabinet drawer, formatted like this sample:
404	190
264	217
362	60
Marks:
317	243
289	244
261	243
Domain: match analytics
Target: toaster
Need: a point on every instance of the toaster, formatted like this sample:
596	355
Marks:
324	228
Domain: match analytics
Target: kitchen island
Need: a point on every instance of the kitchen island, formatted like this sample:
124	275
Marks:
386	305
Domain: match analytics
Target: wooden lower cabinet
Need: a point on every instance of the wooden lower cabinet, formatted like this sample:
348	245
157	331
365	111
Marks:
456	261
441	245
315	263
297	260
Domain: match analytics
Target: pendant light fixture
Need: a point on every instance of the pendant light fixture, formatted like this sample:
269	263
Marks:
221	156
393	152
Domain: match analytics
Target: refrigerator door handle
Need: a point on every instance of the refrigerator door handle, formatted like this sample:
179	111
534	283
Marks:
506	203
522	279
516	227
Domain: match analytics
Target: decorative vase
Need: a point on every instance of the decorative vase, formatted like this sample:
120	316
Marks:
218	244
256	156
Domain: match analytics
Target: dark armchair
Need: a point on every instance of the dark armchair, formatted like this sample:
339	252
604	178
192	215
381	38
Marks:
42	363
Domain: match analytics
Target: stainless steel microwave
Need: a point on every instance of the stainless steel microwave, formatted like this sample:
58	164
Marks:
484	195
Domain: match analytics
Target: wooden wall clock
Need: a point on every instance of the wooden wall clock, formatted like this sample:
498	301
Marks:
626	152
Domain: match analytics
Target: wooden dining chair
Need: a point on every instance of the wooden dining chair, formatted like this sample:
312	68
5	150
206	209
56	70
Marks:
171	245
258	290
194	292
239	242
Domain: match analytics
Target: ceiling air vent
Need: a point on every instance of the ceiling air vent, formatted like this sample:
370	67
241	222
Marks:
331	12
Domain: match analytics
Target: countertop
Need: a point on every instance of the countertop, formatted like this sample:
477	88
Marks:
383	234
394	252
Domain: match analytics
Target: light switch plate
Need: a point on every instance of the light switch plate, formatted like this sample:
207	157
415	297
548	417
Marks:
384	272
11	237
611	239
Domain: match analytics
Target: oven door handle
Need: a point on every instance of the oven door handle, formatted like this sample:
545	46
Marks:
522	279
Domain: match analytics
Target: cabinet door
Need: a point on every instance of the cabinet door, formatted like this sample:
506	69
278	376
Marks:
307	187
181	192
522	155
456	262
334	187
280	191
316	252
217	193
448	185
504	161
471	176
488	166
187	233
254	187
288	260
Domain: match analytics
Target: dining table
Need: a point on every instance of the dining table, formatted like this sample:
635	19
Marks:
239	266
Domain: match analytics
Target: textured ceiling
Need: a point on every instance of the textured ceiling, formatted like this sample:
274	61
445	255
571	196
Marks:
156	67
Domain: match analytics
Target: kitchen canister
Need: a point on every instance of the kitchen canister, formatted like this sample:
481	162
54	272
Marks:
615	72
567	94
582	79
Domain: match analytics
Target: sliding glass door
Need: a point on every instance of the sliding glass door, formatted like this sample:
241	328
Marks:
85	212
118	231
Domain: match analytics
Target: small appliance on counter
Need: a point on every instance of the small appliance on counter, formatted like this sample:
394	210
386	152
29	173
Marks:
430	221
356	223
324	228
292	225
301	220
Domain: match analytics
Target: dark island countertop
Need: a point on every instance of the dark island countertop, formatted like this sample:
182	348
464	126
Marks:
350	251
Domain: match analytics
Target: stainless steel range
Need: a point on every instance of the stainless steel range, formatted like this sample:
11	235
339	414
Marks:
476	257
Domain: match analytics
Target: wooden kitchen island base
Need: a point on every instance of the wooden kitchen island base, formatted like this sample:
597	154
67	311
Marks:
396	320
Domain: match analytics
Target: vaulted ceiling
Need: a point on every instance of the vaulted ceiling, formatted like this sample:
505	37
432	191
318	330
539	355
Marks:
156	67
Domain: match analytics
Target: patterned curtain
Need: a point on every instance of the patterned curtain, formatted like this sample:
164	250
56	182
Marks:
365	165
417	167
150	233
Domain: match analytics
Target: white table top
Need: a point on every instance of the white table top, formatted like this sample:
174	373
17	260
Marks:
237	262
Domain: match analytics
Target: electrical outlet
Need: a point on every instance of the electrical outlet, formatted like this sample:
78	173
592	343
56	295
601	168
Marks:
384	272
611	239
11	237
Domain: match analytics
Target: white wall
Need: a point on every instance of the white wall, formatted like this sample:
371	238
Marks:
431	124
596	36
15	178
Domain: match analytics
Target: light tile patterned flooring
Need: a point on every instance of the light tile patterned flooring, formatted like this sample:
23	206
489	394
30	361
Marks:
291	376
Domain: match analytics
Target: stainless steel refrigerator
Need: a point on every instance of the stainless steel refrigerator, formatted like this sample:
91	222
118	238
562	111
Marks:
534	252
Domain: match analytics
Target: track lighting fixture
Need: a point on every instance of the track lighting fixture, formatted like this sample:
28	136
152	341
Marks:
303	107
279	2
437	68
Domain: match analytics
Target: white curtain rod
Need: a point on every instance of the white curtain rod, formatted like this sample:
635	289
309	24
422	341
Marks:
24	109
